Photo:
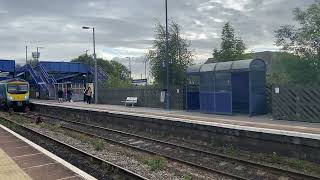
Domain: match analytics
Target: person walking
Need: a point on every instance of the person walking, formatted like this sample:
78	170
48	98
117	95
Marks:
89	95
60	96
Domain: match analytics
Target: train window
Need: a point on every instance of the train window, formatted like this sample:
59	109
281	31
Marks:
12	88
21	88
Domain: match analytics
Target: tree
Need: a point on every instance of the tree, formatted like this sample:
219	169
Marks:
118	74
303	41
179	55
232	48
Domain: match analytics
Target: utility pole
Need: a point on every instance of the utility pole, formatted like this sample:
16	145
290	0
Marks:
26	54
129	66
95	64
167	58
145	68
95	67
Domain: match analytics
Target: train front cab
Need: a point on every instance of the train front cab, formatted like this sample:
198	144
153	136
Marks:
15	94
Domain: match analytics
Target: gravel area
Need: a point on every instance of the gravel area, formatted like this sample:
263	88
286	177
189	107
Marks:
127	158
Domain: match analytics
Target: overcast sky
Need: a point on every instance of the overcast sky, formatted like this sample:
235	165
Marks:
126	27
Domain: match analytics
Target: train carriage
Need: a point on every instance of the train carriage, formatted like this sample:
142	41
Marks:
14	93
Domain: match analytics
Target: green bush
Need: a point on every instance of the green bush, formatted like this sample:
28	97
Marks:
156	163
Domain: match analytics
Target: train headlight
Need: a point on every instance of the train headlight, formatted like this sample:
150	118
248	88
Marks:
10	98
26	97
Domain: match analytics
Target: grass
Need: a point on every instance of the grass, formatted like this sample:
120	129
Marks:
99	145
156	163
187	176
231	150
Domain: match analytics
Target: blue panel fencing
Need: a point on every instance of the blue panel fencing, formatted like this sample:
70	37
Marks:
7	66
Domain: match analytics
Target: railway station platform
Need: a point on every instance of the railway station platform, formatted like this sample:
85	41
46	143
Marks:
264	123
21	159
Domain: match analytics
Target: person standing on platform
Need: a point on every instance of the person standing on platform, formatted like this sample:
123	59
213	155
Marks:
69	94
89	95
60	96
85	94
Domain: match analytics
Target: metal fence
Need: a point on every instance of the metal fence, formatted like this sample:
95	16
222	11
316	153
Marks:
296	103
147	96
51	92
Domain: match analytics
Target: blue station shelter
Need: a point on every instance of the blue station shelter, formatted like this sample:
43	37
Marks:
192	88
230	87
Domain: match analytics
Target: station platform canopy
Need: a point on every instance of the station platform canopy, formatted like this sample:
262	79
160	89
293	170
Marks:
230	87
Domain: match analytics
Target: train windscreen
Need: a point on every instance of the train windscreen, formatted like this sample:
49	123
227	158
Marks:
18	88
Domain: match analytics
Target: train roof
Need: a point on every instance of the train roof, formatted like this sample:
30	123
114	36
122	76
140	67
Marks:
13	80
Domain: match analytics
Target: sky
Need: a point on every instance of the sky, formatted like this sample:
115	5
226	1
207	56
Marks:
125	28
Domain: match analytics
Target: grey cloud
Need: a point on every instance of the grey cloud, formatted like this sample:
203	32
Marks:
128	25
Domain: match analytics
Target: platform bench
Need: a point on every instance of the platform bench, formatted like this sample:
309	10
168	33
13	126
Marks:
130	100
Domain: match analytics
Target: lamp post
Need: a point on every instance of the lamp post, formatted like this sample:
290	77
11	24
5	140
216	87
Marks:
95	64
167	58
129	66
26	54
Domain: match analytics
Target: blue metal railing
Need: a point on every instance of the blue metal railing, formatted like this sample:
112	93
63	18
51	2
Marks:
37	78
50	79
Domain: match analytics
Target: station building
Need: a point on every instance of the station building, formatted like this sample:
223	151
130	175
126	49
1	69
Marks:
46	77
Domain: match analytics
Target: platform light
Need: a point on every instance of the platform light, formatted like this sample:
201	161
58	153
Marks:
95	64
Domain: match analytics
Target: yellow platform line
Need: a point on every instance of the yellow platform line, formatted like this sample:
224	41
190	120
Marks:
9	170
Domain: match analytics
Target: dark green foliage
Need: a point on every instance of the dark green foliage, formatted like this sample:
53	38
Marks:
118	74
304	42
303	39
232	48
157	163
180	56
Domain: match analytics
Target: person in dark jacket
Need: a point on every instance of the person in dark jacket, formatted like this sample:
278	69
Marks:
60	96
69	94
85	95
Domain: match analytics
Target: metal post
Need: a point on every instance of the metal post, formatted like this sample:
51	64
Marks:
26	54
130	67
167	58
37	53
145	68
95	69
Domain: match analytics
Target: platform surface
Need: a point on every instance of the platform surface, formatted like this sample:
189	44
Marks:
263	123
20	160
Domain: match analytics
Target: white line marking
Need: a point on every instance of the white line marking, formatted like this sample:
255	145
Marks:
51	155
69	177
37	166
26	155
19	147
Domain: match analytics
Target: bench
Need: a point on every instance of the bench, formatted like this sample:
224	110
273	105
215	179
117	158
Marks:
130	100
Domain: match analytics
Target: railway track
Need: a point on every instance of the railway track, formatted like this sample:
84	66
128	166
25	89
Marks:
93	165
217	163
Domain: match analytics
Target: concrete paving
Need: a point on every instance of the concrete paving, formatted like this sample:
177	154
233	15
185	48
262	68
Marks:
22	160
263	123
